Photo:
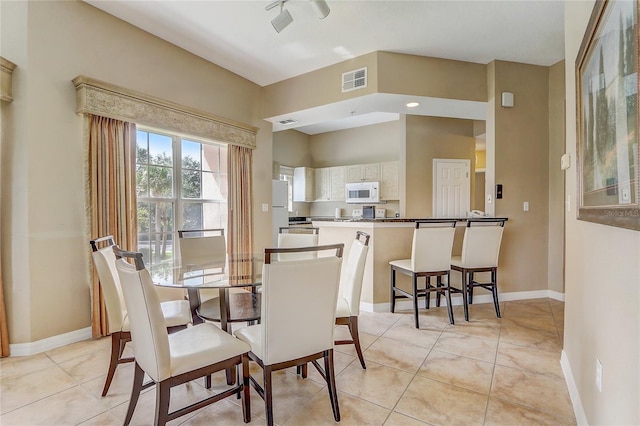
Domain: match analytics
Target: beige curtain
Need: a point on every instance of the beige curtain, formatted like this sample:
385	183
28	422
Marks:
240	218
112	194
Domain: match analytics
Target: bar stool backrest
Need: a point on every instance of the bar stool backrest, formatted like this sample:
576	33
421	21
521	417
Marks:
481	246
431	248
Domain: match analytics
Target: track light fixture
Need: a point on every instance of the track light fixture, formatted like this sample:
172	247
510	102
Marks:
280	22
321	8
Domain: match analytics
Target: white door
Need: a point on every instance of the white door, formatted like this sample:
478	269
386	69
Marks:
451	188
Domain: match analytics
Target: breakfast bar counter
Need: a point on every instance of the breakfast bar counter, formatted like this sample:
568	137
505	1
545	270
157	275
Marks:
391	239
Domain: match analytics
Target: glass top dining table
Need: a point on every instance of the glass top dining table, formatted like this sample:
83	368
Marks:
236	277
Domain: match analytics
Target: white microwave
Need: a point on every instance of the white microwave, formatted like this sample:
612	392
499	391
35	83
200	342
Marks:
363	192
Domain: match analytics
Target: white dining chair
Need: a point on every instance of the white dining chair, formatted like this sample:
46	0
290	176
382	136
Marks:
174	359
200	248
293	331
430	258
176	313
348	305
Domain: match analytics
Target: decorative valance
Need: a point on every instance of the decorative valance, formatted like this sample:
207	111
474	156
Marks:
107	100
6	69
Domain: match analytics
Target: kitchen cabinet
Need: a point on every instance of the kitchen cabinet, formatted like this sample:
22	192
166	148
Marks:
389	180
338	176
363	172
303	184
330	183
323	184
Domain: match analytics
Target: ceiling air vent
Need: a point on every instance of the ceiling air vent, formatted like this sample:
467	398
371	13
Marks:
356	79
287	122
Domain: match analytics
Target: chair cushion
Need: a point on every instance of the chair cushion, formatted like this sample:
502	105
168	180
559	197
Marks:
342	308
402	264
456	261
176	312
200	346
252	335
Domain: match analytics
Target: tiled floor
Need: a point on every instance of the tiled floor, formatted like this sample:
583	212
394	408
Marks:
488	371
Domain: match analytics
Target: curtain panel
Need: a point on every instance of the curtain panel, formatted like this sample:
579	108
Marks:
240	205
112	195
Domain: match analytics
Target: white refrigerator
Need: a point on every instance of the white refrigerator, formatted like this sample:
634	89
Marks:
279	207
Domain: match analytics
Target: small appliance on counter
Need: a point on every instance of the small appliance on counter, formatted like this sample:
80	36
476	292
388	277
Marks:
368	212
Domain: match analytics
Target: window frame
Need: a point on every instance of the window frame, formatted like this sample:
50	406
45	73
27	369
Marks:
177	200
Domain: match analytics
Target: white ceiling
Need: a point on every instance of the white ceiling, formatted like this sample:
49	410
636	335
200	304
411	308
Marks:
238	36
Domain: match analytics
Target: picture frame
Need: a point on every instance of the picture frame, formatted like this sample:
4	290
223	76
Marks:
608	116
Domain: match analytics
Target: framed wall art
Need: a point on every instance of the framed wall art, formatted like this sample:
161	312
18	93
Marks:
608	116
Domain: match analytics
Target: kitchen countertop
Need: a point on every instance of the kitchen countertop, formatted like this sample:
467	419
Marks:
400	220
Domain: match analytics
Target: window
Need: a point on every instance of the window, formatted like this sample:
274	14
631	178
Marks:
180	184
286	174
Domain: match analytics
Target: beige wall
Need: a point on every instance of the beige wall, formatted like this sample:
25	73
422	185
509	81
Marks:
367	144
319	87
556	178
435	77
291	148
386	73
45	255
602	284
481	159
429	138
478	198
522	167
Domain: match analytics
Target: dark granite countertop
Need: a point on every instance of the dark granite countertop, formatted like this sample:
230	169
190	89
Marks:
403	220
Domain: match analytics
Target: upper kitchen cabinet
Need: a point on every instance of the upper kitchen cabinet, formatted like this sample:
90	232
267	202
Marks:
323	184
338	176
303	184
363	172
330	183
389	180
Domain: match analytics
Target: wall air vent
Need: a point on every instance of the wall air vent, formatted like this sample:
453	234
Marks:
287	122
353	80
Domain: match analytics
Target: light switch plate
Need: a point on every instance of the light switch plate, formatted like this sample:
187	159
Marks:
265	207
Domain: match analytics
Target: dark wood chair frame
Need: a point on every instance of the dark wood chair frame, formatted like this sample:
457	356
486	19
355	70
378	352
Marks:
181	232
440	288
163	388
328	373
119	339
352	322
468	282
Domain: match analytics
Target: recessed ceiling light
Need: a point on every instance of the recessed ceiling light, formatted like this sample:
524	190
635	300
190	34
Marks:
413	104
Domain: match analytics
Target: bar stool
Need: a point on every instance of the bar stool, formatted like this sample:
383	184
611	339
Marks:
294	237
480	250
430	257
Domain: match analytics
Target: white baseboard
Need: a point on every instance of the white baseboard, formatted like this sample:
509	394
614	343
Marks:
578	409
457	300
32	348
